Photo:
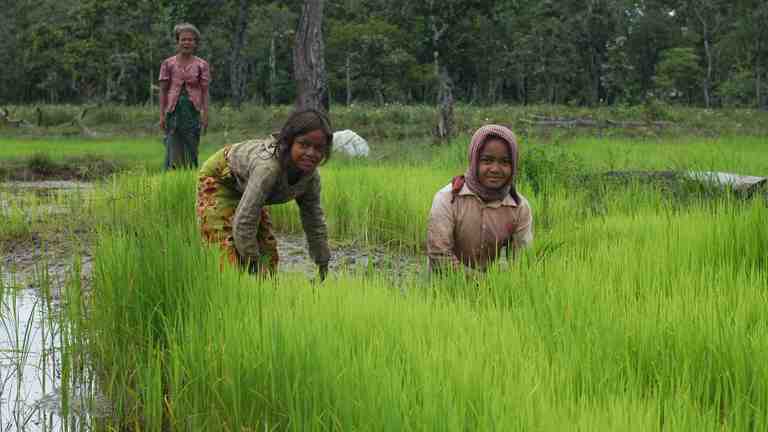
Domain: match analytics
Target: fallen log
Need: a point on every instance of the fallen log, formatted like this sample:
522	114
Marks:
66	127
84	130
6	120
539	120
743	186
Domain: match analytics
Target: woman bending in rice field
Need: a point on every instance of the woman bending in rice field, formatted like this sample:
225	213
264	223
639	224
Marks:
238	182
481	212
184	80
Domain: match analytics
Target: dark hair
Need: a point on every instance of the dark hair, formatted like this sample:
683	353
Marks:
186	27
299	123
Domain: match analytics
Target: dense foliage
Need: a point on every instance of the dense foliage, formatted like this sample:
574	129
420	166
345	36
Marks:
702	52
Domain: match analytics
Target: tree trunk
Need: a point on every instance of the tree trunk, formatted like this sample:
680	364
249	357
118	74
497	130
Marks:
237	66
708	30
349	80
444	130
309	59
445	124
759	68
708	78
272	68
595	78
151	77
758	86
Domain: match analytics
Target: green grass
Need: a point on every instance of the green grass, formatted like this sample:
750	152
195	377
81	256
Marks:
734	153
141	152
745	155
635	312
635	309
26	214
403	122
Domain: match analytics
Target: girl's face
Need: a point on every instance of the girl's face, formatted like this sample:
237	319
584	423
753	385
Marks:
187	43
308	150
495	166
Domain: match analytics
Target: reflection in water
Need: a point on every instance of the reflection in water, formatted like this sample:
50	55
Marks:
44	383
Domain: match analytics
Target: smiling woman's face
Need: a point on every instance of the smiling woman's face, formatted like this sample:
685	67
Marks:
308	150
495	168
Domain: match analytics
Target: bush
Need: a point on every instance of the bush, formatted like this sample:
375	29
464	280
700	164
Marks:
41	163
105	115
541	165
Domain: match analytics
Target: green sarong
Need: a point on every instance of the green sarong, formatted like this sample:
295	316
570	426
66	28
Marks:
182	134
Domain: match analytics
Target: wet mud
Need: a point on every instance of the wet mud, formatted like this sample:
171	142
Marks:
41	168
34	270
32	396
348	258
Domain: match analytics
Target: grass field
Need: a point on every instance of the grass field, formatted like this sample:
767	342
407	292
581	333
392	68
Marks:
742	154
640	315
635	312
638	308
402	122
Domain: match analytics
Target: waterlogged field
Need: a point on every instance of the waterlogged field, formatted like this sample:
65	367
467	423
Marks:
640	307
46	380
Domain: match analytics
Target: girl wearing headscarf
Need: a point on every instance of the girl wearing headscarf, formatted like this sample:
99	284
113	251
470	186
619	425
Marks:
481	212
238	182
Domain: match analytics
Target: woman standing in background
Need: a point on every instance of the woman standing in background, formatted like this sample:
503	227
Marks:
184	80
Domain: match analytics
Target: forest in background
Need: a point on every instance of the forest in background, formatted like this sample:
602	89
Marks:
710	53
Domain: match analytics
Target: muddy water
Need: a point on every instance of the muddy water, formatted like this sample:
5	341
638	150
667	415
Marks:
31	365
39	199
345	257
32	395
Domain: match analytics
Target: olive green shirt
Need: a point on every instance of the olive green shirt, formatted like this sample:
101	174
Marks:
262	181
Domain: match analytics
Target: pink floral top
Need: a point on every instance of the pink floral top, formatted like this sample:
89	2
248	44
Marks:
195	77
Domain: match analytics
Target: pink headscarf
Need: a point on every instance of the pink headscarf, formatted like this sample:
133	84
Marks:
475	146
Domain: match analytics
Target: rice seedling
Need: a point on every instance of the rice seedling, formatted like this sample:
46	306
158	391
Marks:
637	313
29	212
44	385
636	309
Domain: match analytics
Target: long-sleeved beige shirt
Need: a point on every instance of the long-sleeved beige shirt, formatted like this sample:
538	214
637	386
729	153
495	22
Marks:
262	181
471	232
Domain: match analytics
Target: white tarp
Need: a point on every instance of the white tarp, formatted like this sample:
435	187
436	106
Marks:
742	184
350	143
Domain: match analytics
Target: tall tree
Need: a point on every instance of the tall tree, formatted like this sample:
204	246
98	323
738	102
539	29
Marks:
709	18
650	27
747	47
237	63
309	59
443	22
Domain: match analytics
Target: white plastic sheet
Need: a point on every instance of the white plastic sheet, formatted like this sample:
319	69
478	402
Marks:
350	143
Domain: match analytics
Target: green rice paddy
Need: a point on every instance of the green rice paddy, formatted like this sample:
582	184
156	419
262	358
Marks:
638	308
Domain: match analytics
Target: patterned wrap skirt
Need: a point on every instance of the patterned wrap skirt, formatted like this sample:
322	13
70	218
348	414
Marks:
217	200
182	134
